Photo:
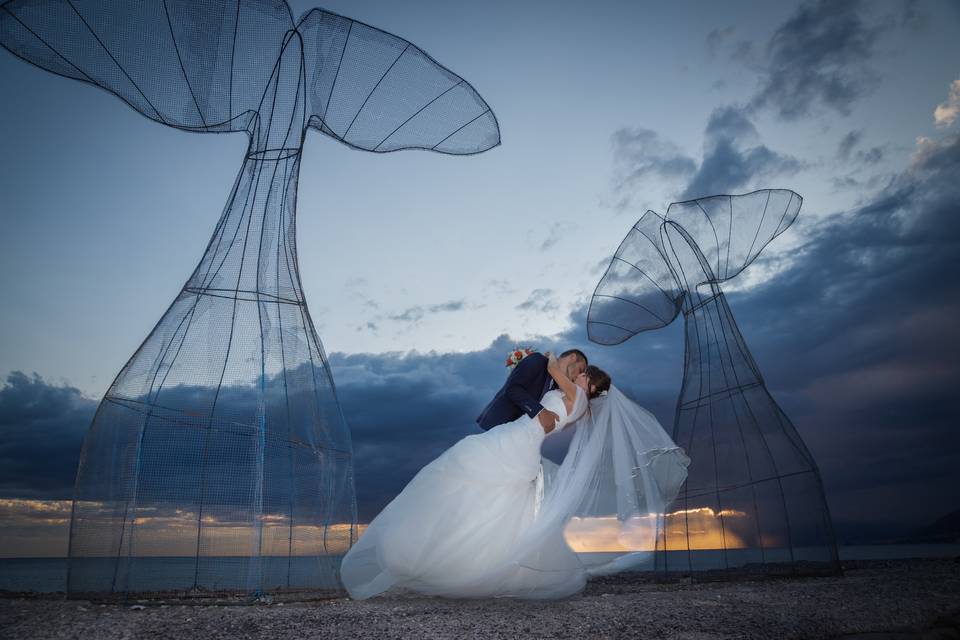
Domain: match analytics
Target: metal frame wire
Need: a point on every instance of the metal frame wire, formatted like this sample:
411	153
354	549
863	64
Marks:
753	502
219	460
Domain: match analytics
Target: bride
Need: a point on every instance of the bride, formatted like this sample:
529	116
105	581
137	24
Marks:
487	517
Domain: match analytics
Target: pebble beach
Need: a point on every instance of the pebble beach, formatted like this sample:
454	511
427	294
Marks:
873	599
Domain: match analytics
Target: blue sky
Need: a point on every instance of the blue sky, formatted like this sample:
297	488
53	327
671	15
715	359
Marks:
417	265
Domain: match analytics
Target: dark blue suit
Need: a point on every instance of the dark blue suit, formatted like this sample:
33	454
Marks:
520	394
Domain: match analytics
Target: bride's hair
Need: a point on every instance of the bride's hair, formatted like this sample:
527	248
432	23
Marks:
599	380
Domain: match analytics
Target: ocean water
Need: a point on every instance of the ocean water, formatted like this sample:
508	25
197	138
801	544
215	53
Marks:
49	575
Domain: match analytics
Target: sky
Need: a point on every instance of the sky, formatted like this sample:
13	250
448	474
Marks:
422	270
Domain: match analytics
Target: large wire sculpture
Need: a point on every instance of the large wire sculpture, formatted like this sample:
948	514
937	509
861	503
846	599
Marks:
753	501
219	459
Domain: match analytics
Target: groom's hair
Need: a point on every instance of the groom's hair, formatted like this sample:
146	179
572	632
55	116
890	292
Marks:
579	353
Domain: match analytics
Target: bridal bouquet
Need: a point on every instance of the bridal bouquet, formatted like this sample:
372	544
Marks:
518	354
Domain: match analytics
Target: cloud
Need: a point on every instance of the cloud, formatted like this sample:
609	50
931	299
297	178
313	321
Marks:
733	157
599	267
417	313
850	182
722	39
402	409
498	287
554	234
540	300
717	38
847	143
41	429
641	155
873	155
369	326
406	409
643	152
946	113
933	155
866	357
856	341
729	123
818	57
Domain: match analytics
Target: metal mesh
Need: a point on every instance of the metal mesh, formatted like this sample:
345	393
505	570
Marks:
219	459
753	500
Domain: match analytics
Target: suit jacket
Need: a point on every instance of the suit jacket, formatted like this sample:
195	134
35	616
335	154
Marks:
520	394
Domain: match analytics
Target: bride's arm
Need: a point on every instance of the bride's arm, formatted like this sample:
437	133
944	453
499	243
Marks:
566	384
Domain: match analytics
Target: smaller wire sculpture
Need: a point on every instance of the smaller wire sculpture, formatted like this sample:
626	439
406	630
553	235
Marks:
753	501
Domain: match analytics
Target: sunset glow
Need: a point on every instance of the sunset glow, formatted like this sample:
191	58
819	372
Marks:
608	534
39	528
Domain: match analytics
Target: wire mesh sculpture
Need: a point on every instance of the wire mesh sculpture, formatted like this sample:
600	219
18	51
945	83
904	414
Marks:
753	501
219	459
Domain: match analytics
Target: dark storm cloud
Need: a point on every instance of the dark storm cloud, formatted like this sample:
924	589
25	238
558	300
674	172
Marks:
733	156
404	410
818	57
41	430
855	337
856	341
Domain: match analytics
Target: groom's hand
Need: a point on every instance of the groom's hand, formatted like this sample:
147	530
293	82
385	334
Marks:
548	419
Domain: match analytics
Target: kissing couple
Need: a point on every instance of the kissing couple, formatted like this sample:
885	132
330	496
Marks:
487	518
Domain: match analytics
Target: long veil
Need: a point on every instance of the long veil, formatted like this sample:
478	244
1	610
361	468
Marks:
603	507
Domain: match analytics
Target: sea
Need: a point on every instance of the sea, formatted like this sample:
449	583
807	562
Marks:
49	575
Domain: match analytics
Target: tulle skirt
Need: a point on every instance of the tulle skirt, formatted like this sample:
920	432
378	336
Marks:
472	523
453	530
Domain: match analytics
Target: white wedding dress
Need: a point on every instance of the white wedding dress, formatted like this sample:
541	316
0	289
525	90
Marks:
482	520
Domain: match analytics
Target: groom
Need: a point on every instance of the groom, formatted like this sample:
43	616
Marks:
524	387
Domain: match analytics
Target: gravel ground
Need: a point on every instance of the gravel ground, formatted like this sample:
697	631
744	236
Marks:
876	600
